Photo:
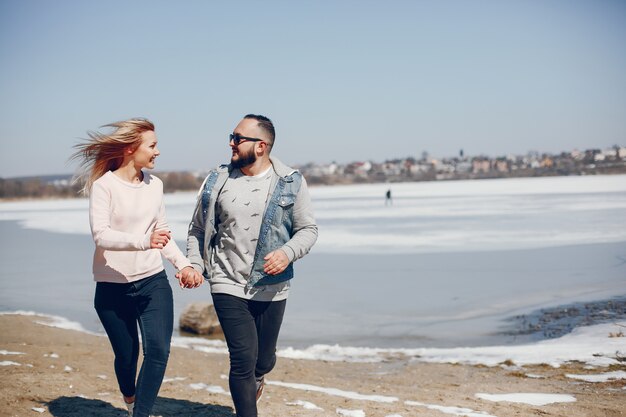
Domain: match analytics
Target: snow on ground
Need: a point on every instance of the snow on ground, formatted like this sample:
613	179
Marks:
53	321
213	389
335	392
6	352
350	413
590	344
528	398
608	376
201	344
174	379
304	404
457	411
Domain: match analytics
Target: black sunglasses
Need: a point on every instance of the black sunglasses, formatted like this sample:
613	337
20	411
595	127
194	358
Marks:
237	139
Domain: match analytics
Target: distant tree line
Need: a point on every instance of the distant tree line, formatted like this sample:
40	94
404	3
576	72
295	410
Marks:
36	188
180	181
65	187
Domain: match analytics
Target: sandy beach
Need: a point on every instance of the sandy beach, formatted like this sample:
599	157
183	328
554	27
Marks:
60	372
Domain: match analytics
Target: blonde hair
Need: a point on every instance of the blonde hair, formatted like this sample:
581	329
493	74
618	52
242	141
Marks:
101	152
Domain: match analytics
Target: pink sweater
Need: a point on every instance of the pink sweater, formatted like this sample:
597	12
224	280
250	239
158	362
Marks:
122	216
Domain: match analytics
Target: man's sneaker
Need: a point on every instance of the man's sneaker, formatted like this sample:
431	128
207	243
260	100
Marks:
260	384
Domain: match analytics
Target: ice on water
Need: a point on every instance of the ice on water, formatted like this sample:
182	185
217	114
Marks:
425	217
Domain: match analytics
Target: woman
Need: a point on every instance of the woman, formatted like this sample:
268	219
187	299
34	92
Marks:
128	225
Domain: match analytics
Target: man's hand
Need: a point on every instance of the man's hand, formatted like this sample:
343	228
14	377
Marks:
189	278
276	262
159	238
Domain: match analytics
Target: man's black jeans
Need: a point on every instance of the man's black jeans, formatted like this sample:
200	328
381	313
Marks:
251	331
120	307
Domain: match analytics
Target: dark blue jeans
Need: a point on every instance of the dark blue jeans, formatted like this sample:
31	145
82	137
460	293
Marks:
149	303
251	331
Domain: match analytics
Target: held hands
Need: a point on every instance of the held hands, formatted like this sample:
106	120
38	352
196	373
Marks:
159	238
189	278
276	263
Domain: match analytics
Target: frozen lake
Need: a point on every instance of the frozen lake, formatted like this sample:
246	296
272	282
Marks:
442	266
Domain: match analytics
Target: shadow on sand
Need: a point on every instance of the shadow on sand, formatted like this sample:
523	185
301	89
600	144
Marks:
165	407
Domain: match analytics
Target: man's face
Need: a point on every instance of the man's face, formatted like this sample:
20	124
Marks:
244	154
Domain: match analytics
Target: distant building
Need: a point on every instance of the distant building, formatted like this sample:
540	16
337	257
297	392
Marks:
502	165
481	165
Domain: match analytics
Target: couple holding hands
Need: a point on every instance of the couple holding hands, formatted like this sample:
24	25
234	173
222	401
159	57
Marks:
253	218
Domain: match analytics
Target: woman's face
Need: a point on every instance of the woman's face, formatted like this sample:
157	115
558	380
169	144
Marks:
147	151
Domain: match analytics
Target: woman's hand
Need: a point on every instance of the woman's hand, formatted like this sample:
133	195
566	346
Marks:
159	238
189	278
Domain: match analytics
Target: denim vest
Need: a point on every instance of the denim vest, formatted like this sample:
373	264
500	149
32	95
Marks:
276	226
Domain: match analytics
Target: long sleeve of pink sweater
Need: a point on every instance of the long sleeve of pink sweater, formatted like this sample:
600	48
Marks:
122	218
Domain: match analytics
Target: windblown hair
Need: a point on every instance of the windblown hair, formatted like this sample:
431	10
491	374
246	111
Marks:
105	152
266	125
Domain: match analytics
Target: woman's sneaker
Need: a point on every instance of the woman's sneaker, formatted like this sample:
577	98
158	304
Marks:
130	407
260	384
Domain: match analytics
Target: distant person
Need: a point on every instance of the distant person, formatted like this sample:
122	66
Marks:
253	219
388	200
128	224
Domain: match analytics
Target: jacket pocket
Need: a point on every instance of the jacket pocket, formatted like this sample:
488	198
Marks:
285	205
287	201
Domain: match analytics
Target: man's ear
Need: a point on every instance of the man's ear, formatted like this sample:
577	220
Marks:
262	148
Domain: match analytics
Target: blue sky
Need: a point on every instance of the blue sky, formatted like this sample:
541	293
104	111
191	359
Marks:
342	80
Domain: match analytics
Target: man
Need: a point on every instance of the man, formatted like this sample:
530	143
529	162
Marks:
253	219
388	197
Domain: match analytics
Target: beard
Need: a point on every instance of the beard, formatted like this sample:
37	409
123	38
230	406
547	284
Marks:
244	160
